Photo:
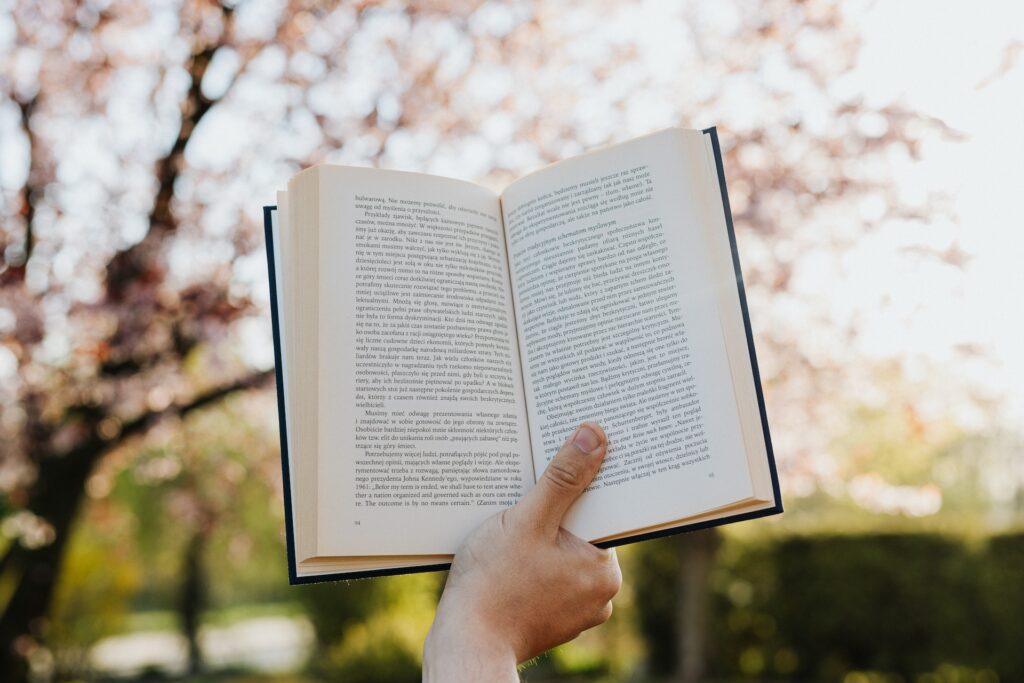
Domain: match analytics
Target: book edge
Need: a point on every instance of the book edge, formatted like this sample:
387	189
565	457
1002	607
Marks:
696	526
741	289
268	232
367	574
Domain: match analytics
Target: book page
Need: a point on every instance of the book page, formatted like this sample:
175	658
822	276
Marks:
618	323
422	421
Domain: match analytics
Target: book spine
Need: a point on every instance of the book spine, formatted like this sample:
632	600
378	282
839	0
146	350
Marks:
275	322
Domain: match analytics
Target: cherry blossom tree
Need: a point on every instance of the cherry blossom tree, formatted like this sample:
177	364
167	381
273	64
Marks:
139	140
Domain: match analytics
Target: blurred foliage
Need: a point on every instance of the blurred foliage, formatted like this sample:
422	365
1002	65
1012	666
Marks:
812	604
214	477
879	607
93	598
890	468
372	654
335	607
144	504
657	569
1002	575
895	603
371	629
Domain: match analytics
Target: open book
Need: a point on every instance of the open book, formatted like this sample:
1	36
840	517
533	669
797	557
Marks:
436	343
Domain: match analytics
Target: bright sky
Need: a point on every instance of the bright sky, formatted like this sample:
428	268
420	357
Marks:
944	60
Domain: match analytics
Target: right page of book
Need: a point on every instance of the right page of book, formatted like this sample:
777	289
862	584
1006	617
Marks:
618	322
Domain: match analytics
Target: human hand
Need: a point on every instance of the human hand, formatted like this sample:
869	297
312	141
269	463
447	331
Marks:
520	584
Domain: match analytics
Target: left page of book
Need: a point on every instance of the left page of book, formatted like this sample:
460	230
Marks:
421	425
285	330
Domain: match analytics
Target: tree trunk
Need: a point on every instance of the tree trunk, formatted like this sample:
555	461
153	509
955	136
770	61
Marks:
55	497
192	600
697	555
33	572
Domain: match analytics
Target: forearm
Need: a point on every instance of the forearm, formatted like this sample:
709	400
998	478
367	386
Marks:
462	653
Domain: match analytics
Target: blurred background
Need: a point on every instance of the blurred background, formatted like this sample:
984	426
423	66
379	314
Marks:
873	153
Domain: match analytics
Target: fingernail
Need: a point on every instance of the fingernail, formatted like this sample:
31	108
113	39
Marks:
586	439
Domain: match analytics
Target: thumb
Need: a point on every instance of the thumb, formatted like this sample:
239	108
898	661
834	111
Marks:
569	472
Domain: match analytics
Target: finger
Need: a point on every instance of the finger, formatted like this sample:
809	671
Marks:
603	576
569	472
603	614
614	574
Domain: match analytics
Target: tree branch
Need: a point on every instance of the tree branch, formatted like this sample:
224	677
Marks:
193	109
31	191
144	422
95	445
136	262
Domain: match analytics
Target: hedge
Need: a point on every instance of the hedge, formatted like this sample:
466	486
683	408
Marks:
819	607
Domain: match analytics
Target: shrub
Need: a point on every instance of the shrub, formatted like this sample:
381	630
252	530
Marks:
1002	581
907	605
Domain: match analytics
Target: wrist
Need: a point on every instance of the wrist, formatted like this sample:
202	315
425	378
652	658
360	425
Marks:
463	646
